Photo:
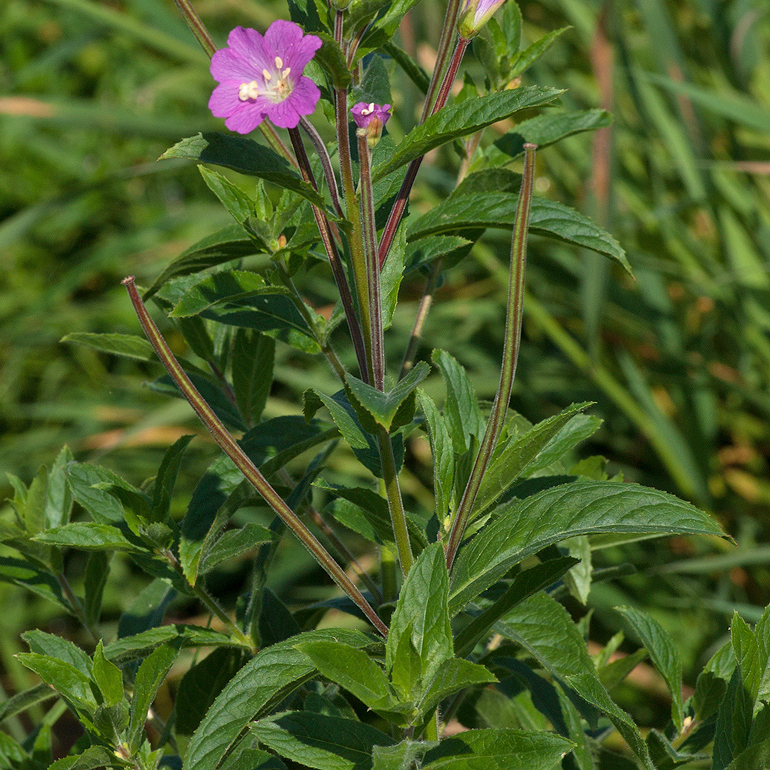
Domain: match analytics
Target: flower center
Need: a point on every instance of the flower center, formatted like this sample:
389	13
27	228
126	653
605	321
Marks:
276	84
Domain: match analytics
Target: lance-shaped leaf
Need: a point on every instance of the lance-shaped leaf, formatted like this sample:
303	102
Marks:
663	654
88	536
522	527
246	157
321	741
125	345
388	410
498	209
257	688
545	630
463	119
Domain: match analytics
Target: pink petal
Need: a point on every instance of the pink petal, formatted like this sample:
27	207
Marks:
301	101
224	100
288	42
246	119
228	65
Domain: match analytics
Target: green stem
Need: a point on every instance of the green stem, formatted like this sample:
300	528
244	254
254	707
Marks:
389	233
395	503
324	228
230	446
210	603
461	516
366	198
326	163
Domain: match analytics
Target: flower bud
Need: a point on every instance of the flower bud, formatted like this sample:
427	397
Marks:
475	14
369	119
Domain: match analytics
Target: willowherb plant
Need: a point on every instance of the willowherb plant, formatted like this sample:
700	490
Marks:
463	627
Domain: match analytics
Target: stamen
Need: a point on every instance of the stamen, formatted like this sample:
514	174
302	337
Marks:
286	73
278	62
267	75
368	110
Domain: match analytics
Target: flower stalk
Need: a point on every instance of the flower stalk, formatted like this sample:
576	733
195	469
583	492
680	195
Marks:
461	516
242	461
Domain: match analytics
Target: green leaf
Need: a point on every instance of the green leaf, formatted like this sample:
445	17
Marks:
232	197
63	677
93	758
519	455
95	578
24	700
125	345
460	213
225	245
391	275
451	677
544	130
524	59
443	456
142	644
462	119
756	757
201	684
255	690
320	741
252	372
88	536
38	580
388	410
733	724
422	614
331	58
525	584
165	481
233	544
108	677
545	630
150	676
352	669
246	157
461	408
346	419
56	647
402	756
523	527
368	515
503	749
663	653
410	67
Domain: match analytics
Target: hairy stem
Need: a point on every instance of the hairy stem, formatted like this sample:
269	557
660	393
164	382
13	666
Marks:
510	357
334	258
230	446
326	163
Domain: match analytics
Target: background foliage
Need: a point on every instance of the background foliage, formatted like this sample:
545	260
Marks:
677	360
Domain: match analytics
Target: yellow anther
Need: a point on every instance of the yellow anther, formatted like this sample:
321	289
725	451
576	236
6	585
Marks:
267	75
278	62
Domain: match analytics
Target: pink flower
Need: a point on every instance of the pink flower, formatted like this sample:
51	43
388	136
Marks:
364	114
261	77
475	14
370	118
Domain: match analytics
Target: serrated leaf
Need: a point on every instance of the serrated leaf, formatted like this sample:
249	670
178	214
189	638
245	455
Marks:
257	688
502	749
225	245
754	758
663	653
93	758
523	527
125	345
462	119
234	543
452	676
142	644
24	700
422	613
150	676
246	157
88	536
108	677
36	579
544	130
518	455
543	627
388	410
63	677
461	408
352	669
443	455
498	209
320	741
201	684
524	59
59	648
331	58
166	478
252	372
232	197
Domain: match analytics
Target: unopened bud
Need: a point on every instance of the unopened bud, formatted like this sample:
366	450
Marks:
475	15
369	119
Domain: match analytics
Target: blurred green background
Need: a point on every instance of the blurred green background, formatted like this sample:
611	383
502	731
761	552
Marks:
677	359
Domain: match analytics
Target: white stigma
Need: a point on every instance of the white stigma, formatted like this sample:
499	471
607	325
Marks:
248	91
